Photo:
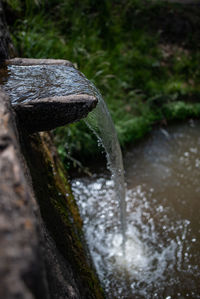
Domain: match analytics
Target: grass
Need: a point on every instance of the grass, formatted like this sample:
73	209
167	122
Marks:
142	56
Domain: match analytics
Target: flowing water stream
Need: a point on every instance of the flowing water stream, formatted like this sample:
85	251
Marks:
100	122
160	258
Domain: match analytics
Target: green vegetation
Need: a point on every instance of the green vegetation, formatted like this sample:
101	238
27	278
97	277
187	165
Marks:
142	55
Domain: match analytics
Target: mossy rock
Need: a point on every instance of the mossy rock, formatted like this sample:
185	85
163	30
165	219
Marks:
59	210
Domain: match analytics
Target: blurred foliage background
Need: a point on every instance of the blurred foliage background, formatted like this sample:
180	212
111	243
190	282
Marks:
143	56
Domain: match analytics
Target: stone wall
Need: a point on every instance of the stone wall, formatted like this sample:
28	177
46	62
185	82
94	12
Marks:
43	253
21	262
70	270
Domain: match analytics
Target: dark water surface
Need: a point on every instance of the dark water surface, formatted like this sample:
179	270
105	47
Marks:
163	219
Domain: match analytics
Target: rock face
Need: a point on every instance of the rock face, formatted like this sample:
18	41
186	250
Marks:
21	265
40	256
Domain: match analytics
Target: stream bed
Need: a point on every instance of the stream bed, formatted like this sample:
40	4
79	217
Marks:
162	252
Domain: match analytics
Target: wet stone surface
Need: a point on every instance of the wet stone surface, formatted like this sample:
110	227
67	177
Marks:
46	95
25	83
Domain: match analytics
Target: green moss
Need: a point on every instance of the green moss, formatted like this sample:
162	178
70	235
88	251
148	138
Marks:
181	110
59	209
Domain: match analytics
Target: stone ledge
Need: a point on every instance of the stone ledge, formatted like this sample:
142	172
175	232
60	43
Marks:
48	113
42	114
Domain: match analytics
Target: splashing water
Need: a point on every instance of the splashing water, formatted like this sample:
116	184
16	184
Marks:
163	226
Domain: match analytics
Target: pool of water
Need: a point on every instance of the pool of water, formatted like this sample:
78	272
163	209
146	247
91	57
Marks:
162	253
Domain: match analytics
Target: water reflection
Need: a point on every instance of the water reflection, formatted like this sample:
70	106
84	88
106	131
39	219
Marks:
163	224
